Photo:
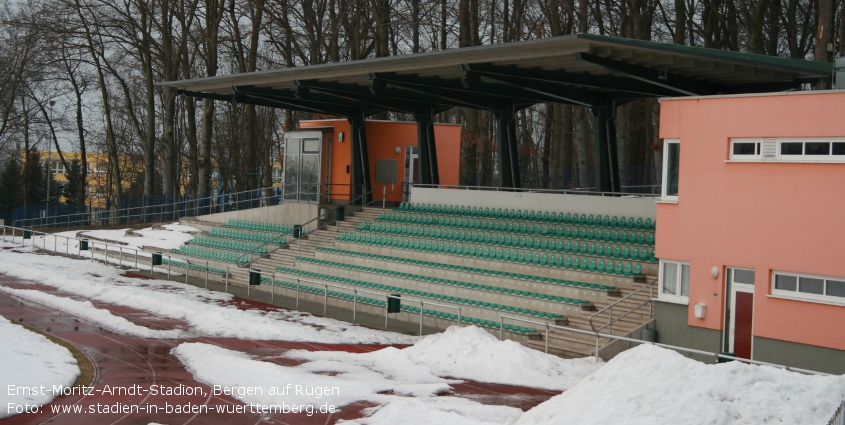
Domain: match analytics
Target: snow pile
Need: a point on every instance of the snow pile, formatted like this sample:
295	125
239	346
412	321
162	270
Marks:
86	310
469	353
30	360
204	310
319	384
651	385
413	376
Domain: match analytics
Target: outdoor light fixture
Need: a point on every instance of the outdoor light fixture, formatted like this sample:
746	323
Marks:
397	150
340	137
714	272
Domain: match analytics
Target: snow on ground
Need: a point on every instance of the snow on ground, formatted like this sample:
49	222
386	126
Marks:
28	361
468	353
437	411
67	242
646	385
86	310
311	385
203	310
172	238
413	376
654	386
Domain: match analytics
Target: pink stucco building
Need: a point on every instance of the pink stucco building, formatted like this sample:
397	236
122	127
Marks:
751	227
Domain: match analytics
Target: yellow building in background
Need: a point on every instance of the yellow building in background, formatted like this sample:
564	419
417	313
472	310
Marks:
99	180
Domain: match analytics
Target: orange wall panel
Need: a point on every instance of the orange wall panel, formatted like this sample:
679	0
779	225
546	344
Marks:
763	216
383	137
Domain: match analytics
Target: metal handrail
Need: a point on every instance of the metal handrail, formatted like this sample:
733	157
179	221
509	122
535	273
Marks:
303	232
356	291
171	209
611	320
188	262
527	190
92	245
599	335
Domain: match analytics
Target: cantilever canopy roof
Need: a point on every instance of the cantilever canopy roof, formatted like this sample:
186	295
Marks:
582	69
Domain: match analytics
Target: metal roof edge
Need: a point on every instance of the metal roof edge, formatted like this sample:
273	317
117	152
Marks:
794	65
743	95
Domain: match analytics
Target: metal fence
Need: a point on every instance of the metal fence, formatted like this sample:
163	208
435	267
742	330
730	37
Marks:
178	266
599	335
156	209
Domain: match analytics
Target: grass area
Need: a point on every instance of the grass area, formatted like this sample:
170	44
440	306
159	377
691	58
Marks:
86	365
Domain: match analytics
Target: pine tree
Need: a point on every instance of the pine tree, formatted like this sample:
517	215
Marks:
75	189
11	186
35	180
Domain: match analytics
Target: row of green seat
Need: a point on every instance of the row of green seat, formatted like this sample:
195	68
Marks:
618	268
467	285
421	225
229	245
258	226
209	254
197	267
621	222
244	235
405	308
529	242
498	273
421	294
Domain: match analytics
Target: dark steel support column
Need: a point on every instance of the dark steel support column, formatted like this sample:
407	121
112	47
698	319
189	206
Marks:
429	173
360	161
605	162
508	149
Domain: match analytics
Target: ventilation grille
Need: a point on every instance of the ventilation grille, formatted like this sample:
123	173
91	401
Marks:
769	149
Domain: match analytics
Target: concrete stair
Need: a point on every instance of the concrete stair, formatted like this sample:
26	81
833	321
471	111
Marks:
560	342
570	344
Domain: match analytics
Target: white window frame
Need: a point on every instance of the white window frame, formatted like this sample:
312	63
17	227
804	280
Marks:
753	157
673	298
778	157
803	296
665	174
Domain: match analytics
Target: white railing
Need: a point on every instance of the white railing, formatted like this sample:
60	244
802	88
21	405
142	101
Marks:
599	335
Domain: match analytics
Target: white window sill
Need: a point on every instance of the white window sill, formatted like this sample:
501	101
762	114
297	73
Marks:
788	161
808	299
679	301
666	201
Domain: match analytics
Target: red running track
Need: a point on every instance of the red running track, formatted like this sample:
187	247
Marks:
122	361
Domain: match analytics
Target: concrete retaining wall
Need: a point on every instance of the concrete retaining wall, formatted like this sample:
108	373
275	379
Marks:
289	213
552	202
